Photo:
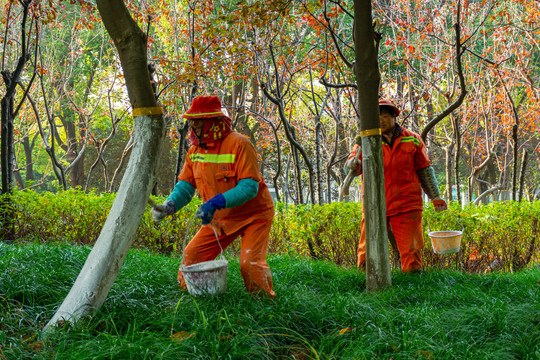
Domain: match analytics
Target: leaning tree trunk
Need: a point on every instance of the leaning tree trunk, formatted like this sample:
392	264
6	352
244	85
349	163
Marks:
108	254
368	78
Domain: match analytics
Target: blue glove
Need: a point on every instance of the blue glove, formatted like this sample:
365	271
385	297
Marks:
160	211
206	211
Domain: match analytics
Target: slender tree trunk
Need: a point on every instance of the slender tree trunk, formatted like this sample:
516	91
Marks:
448	169
367	77
515	167
524	157
8	114
318	174
7	144
330	164
108	254
29	167
297	169
457	135
182	148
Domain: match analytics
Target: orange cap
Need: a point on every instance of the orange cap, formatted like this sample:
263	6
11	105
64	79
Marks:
388	103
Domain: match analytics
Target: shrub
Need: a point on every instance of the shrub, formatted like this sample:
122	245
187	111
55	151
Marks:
76	217
499	236
329	232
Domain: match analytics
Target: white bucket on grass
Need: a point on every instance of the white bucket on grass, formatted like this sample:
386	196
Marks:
208	278
445	242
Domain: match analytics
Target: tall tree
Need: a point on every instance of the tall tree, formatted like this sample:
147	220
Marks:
108	254
366	68
9	108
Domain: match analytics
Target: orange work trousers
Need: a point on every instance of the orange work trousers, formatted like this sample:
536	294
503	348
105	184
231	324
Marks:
407	229
253	267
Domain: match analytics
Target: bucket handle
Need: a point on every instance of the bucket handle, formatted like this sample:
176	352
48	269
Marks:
219	242
215	233
456	220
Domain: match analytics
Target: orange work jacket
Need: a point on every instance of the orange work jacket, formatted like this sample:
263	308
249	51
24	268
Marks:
402	187
218	168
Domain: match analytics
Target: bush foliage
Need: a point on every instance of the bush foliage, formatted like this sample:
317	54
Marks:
499	236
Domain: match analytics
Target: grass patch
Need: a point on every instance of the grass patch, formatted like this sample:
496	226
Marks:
321	311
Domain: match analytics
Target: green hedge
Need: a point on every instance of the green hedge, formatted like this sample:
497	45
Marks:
498	236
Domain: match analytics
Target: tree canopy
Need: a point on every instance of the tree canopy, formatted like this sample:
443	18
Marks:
285	72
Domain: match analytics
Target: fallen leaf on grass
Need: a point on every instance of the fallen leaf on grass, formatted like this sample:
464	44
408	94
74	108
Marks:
225	337
425	354
37	346
345	330
181	336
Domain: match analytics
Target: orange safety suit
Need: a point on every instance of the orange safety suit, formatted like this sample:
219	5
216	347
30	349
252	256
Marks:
403	193
216	169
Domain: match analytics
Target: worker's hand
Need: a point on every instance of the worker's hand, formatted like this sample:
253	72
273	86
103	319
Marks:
439	204
206	211
160	211
353	163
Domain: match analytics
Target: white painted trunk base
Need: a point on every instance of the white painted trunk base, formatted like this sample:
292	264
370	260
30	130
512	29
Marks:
109	252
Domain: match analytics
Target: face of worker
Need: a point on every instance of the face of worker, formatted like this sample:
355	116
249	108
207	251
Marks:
197	126
388	122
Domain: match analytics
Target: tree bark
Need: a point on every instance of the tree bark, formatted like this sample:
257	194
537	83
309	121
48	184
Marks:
457	147
448	169
515	157
524	157
29	164
366	69
8	113
108	254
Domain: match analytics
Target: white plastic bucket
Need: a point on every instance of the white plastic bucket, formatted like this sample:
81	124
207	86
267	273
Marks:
445	242
208	278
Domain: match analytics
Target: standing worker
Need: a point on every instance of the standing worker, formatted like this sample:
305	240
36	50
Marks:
222	166
407	170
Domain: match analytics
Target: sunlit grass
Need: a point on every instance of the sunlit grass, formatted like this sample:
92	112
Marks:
321	312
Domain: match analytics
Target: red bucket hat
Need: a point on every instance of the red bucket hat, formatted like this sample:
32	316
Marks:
203	107
387	103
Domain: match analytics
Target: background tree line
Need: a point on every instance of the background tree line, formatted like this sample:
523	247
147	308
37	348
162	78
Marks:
466	75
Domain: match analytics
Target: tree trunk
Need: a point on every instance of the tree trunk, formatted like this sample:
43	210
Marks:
515	157
8	114
29	167
318	172
7	150
367	77
182	148
457	146
107	256
297	170
448	169
524	157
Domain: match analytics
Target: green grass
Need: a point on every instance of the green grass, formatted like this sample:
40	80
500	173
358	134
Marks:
321	312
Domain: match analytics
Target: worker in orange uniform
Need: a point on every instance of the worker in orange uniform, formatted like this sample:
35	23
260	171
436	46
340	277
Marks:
407	171
222	166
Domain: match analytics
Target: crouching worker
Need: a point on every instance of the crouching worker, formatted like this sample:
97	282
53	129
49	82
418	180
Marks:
222	166
407	170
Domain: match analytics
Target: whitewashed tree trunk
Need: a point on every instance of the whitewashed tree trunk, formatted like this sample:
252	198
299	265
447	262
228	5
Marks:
108	254
366	69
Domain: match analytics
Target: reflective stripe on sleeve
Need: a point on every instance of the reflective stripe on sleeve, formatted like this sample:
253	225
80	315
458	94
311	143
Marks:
411	138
